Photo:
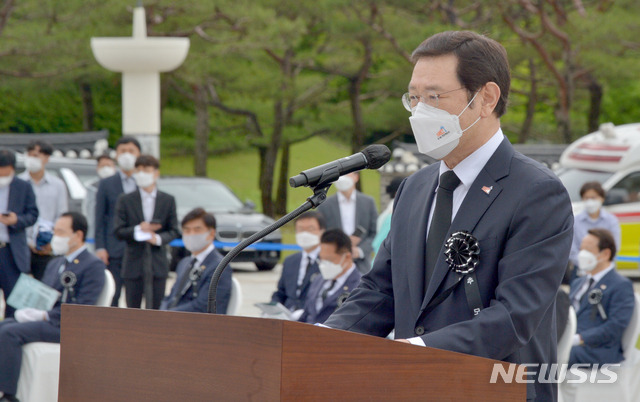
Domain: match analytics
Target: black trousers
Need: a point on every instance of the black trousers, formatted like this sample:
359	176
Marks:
12	336
115	265
134	289
9	274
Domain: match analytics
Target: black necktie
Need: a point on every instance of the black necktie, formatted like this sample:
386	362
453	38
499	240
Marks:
591	280
182	282
325	292
440	222
305	276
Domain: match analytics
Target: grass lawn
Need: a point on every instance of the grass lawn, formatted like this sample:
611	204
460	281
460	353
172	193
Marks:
239	171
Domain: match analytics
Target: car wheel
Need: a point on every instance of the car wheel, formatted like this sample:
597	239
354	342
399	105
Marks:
266	266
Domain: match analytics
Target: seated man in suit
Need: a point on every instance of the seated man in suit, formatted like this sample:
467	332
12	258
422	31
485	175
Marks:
191	290
338	277
356	214
603	300
299	269
32	325
146	220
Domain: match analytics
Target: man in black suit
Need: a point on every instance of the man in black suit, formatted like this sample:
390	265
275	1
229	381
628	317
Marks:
108	248
299	269
356	214
33	325
338	277
478	241
146	220
18	211
191	290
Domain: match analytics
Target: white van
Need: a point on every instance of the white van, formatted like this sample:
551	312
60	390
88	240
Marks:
611	156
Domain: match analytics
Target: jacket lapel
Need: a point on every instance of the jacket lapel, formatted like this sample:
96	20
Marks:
473	207
137	205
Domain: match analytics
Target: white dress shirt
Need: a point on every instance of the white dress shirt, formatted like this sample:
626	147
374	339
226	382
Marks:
585	285
348	212
200	257
148	208
128	183
4	205
467	171
51	199
302	271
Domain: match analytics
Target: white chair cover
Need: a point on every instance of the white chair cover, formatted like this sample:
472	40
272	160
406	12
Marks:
235	301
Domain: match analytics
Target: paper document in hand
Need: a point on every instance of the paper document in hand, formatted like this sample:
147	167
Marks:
30	292
275	310
140	235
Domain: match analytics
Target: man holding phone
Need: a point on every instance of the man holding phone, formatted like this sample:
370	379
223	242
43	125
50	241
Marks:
18	211
356	214
146	220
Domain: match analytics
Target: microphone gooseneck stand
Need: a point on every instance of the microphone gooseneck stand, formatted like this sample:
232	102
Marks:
318	197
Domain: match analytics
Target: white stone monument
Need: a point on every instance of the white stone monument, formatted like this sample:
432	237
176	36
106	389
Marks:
141	59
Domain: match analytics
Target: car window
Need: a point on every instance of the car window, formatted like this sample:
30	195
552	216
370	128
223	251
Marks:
625	191
210	195
573	179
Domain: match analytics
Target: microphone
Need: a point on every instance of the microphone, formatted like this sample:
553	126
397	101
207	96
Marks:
372	157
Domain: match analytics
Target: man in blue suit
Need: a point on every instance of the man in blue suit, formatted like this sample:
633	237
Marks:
492	294
18	210
32	325
338	277
299	269
603	300
108	248
191	290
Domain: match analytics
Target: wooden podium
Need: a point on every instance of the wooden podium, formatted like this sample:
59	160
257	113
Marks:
115	354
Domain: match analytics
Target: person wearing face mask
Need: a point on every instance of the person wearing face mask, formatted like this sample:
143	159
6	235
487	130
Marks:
32	325
593	216
338	277
18	210
299	269
191	289
484	192
356	214
106	167
52	201
599	333
146	221
108	248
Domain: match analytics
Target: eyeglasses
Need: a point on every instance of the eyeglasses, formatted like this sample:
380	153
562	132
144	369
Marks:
431	98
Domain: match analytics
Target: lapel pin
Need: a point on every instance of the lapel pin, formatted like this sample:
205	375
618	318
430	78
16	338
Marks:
487	189
603	286
76	261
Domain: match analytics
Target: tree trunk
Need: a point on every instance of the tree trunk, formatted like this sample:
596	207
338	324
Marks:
283	181
88	113
202	131
595	91
525	131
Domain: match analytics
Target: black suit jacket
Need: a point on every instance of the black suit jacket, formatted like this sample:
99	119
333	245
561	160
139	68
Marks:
521	215
288	283
128	214
22	201
90	275
366	216
109	189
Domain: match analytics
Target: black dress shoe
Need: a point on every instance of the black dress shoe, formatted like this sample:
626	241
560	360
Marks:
9	398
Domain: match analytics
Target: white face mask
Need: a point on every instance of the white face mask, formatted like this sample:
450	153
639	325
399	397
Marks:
6	180
144	179
106	171
587	261
330	270
60	245
127	161
344	183
33	164
307	240
196	242
436	131
592	205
